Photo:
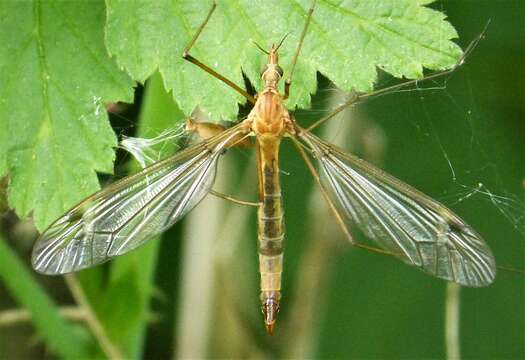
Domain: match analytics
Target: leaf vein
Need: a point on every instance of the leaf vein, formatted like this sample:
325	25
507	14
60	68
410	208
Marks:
82	42
46	116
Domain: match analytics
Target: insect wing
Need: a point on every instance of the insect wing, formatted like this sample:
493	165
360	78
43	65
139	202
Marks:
402	220
124	215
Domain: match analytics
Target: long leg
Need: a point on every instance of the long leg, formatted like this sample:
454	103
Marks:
234	199
330	203
205	131
355	98
288	81
188	57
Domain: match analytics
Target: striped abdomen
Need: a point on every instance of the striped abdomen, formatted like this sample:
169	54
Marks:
270	228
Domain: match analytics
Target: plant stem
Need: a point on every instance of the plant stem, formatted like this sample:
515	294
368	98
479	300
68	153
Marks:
452	301
15	316
110	350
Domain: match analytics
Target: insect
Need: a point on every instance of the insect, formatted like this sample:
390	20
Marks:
400	220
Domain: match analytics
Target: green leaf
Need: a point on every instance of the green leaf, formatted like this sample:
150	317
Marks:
56	78
346	41
58	334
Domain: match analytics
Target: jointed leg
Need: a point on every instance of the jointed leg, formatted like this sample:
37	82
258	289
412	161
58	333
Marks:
331	205
317	179
355	98
233	199
188	57
288	81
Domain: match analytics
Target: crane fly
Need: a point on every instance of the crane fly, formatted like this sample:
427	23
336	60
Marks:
400	220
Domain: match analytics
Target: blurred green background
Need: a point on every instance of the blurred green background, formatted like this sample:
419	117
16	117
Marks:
461	142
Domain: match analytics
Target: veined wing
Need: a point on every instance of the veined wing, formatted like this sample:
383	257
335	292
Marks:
128	212
402	220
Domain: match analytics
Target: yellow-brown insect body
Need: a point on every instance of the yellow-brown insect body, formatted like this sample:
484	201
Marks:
269	114
270	227
269	121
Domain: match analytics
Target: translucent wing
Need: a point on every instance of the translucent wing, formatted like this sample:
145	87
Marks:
402	220
124	215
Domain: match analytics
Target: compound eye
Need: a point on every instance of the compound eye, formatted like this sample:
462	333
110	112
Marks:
264	69
279	71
